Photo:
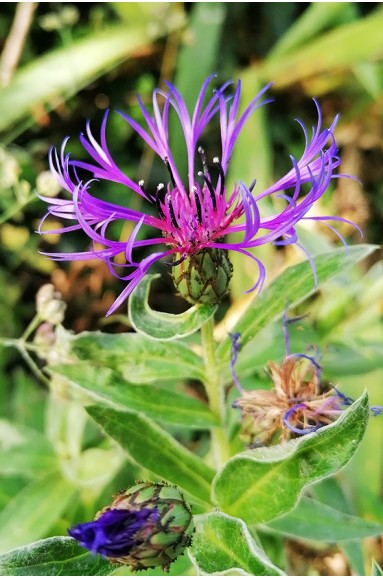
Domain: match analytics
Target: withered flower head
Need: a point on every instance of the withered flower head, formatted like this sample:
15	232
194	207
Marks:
298	403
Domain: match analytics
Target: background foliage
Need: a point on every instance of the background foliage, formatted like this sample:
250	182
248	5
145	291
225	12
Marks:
76	60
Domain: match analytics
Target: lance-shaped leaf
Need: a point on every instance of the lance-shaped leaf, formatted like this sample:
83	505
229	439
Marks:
138	358
262	484
58	556
223	544
62	72
164	326
291	287
376	569
34	510
104	387
156	450
313	520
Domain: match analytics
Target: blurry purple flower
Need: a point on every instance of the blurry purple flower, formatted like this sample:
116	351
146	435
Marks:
197	215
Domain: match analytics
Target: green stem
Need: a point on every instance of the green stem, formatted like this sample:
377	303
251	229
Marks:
215	393
31	327
32	365
24	348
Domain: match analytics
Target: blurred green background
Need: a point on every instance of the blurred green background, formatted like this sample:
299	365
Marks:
63	63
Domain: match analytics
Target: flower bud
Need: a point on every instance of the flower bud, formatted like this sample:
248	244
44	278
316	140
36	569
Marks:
47	185
204	277
146	526
49	305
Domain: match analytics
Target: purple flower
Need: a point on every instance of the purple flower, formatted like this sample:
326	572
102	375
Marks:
113	534
189	217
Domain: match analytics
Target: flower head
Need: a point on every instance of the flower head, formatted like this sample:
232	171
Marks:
191	217
146	526
298	403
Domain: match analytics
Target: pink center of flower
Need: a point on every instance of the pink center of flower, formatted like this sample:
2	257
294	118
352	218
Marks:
193	219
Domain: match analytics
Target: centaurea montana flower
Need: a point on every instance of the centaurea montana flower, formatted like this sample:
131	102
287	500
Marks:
193	218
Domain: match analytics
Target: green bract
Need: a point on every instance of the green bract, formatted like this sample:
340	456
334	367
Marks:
204	277
157	543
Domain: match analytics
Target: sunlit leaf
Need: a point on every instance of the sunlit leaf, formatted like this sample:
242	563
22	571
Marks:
340	48
62	72
281	472
164	326
58	556
105	387
138	358
291	287
156	450
312	520
223	544
34	510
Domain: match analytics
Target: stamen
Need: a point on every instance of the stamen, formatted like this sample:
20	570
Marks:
175	263
171	211
198	205
217	163
148	196
166	161
159	194
251	188
201	153
211	189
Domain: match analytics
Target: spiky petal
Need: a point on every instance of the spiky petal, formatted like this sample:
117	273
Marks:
194	216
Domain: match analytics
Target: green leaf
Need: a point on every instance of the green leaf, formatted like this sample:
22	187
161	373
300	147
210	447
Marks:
376	570
58	556
292	286
223	544
105	387
138	358
312	520
314	19
353	551
62	72
341	48
34	510
27	460
330	493
281	472
164	326
156	450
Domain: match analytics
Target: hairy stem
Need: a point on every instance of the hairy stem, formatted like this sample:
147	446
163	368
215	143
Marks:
215	393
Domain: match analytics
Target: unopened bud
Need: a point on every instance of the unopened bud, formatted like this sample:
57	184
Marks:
49	305
146	526
204	277
47	184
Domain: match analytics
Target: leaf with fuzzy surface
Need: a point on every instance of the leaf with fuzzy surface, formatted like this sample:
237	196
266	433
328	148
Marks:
265	483
58	556
155	449
223	544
